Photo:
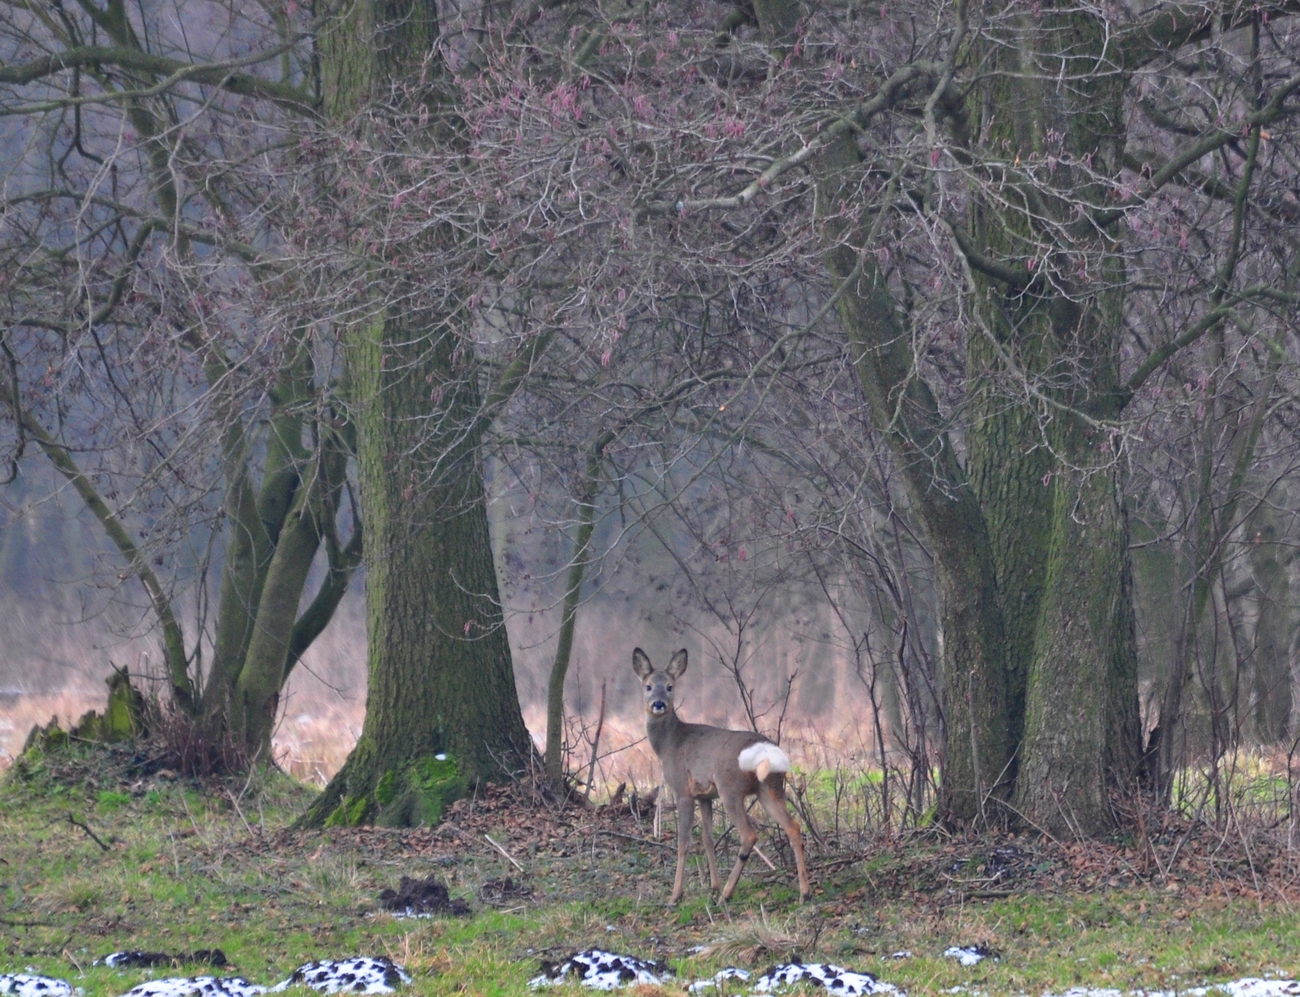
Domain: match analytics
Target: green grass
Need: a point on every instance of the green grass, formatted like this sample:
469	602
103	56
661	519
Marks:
191	868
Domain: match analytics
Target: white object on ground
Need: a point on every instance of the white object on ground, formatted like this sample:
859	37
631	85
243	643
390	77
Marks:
969	955
361	975
721	976
834	979
196	986
602	970
30	985
1249	986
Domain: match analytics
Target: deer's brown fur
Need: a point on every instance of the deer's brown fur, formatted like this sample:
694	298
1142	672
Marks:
703	763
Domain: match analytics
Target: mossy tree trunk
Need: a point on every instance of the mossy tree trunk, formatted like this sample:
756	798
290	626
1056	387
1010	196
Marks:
1029	537
1044	360
977	748
442	711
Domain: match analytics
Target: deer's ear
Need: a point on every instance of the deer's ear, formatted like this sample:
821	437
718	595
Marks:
641	663
678	664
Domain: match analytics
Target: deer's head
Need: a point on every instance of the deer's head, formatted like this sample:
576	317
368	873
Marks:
657	683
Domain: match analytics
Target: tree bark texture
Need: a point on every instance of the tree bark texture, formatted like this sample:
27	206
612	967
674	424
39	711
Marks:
976	724
1030	538
1045	370
442	710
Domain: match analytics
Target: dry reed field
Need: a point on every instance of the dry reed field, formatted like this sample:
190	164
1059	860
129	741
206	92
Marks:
823	717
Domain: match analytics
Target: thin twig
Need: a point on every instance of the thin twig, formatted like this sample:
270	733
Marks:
234	802
595	744
503	852
95	837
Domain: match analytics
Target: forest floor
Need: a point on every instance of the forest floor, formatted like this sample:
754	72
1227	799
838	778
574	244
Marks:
96	857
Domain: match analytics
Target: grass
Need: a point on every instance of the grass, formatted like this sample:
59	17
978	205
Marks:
190	867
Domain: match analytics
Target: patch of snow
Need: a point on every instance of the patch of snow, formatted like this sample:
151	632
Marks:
1095	992
1247	987
196	986
833	979
31	985
602	970
361	975
118	959
901	954
135	958
1251	987
970	955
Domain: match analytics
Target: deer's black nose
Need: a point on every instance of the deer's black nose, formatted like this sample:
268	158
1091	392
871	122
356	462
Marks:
658	706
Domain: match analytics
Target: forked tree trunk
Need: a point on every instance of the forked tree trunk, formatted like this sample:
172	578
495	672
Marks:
1030	539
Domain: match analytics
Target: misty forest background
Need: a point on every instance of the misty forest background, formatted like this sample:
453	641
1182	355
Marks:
65	629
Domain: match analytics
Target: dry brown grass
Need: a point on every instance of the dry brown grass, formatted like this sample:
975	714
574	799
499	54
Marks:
18	714
751	940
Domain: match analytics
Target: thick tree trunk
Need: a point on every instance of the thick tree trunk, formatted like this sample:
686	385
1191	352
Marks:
1010	471
442	710
440	675
1030	539
1044	370
1081	696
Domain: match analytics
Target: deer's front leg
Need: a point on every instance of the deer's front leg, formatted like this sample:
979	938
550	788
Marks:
706	834
685	818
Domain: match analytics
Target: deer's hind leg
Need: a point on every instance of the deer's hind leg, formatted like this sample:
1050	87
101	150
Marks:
735	807
706	836
771	794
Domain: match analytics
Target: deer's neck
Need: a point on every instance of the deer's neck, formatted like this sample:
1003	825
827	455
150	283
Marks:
661	730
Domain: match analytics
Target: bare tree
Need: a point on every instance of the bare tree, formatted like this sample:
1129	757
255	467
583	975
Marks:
146	352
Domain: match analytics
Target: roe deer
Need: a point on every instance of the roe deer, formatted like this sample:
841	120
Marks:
704	763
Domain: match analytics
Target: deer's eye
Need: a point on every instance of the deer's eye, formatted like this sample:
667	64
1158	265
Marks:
670	688
647	688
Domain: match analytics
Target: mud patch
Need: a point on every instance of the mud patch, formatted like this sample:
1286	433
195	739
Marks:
415	897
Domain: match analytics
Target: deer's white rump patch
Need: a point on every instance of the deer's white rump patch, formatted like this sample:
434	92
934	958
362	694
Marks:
763	758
